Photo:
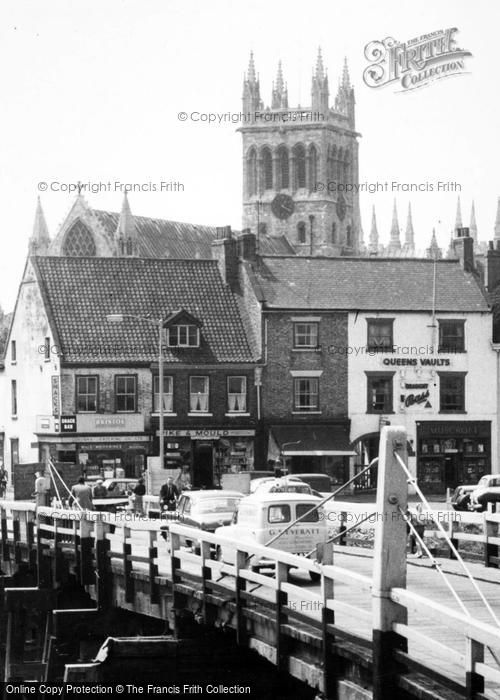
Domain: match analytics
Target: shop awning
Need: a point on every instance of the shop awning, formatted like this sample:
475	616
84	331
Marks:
319	441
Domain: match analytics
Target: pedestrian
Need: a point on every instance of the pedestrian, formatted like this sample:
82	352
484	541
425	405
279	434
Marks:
3	480
169	493
81	494
416	534
41	492
99	491
138	492
184	479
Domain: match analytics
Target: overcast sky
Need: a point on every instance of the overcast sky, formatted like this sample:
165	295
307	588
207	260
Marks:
91	92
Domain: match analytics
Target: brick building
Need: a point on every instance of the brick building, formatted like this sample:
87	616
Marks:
87	391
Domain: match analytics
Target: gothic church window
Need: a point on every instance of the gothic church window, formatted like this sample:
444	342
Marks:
283	168
300	166
252	172
313	167
332	154
339	167
347	167
334	232
79	242
348	235
301	232
267	168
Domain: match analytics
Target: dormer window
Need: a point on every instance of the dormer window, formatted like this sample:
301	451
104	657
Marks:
183	330
183	336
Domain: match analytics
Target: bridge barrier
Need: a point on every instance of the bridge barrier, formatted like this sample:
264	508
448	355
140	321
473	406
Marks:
375	613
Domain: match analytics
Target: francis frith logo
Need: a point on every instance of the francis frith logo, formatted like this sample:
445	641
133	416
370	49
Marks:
414	63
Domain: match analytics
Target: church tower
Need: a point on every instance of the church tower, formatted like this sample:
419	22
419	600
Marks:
299	165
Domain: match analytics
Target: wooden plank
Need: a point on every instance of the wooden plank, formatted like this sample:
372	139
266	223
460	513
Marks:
40	599
435	647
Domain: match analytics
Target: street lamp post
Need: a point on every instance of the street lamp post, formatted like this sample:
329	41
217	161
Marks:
159	323
282	454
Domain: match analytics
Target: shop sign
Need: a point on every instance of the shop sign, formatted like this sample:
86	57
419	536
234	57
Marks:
68	424
418	395
99	423
45	424
207	434
56	395
454	429
416	362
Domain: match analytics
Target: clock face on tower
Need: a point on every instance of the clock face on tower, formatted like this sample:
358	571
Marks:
282	206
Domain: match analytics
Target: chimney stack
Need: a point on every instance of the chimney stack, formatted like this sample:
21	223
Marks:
463	245
492	266
225	251
248	245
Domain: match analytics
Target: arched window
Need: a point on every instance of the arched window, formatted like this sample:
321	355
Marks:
251	172
267	168
331	165
283	168
300	166
347	167
79	241
313	167
301	232
334	232
348	236
339	167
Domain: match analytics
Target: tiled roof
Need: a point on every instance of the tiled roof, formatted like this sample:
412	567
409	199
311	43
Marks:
159	238
80	292
366	284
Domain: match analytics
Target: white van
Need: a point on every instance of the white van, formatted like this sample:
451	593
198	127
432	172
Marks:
261	516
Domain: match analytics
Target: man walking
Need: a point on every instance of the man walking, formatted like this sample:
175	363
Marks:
169	493
81	493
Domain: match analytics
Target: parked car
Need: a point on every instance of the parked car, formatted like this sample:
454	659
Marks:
318	482
261	516
486	491
461	497
283	484
256	484
204	510
119	487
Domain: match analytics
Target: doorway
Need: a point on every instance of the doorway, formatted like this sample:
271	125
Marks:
14	453
203	465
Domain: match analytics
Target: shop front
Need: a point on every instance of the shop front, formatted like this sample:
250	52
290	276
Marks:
208	452
450	453
312	449
107	446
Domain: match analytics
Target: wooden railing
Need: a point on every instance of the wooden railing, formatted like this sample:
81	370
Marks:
399	629
343	515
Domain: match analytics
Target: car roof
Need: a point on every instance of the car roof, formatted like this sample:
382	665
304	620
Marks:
259	497
212	493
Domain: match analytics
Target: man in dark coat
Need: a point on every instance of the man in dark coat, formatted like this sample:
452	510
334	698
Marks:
169	493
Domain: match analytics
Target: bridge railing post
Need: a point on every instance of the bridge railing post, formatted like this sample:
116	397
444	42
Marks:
5	534
389	561
153	566
241	560
328	618
206	575
102	548
490	530
83	549
474	683
281	602
127	565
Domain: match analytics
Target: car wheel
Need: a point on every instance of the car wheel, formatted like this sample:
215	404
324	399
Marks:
315	576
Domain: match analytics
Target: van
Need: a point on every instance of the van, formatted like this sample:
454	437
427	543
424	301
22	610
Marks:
261	516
